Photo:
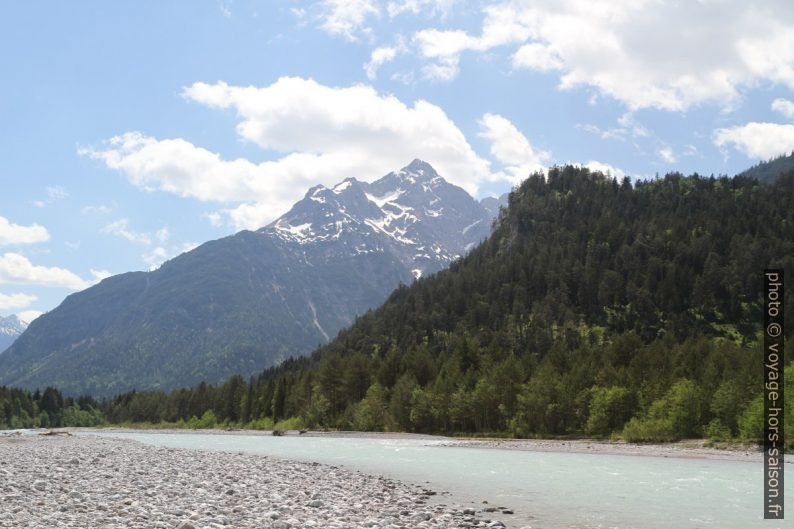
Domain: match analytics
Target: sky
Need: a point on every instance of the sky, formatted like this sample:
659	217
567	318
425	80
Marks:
133	131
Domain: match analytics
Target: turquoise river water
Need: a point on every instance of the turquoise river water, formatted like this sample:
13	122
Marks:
547	490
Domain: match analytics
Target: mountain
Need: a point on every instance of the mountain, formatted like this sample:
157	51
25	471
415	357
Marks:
493	204
10	328
768	171
595	307
250	300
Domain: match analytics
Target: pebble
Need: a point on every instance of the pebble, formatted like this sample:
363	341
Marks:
136	486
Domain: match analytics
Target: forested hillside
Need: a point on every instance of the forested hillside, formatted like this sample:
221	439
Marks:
597	307
768	171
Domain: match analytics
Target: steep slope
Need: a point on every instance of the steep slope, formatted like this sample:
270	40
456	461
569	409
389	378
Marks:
248	301
10	329
593	302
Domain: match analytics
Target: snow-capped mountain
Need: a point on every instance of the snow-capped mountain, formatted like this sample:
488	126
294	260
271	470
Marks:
10	328
414	214
250	300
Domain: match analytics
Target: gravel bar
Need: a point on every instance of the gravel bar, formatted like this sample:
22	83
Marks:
89	482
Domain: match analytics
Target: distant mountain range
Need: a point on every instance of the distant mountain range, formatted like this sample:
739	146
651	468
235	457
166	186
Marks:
250	300
10	329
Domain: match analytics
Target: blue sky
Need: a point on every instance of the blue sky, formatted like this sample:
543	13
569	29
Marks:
130	132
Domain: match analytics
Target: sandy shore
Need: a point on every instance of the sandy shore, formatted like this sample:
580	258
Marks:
84	481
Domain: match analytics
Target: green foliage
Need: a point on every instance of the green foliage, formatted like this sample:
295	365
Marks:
265	423
751	421
597	307
609	409
206	422
75	416
716	430
371	412
292	423
677	415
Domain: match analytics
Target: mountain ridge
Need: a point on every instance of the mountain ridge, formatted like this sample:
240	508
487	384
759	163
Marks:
243	302
11	327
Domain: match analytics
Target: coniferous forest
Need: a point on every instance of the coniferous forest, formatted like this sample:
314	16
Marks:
598	307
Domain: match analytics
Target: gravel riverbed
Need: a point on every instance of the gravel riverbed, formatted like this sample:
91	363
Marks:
88	482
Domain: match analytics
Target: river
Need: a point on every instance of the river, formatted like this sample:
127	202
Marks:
547	490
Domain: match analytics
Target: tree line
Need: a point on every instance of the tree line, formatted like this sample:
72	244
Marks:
598	307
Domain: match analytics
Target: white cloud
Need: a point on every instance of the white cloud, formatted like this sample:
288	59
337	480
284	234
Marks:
757	140
415	7
16	301
156	257
347	18
27	316
784	106
502	26
54	193
162	234
17	269
11	233
103	209
326	133
160	254
187	246
121	228
510	147
627	128
536	56
214	218
99	275
378	58
617	47
605	168
667	154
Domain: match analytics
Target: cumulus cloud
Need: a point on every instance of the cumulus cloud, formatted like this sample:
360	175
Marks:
537	56
605	168
616	46
347	18
11	233
16	301
17	269
502	26
757	140
378	58
27	316
510	147
325	134
784	106
99	275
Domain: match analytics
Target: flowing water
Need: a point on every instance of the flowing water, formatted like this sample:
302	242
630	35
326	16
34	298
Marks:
547	490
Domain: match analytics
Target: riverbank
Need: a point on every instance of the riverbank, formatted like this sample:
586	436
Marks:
688	449
84	481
